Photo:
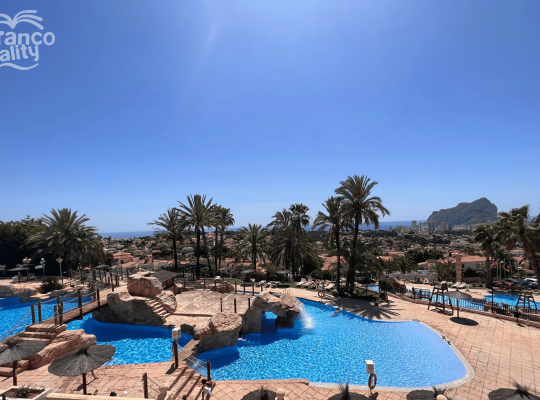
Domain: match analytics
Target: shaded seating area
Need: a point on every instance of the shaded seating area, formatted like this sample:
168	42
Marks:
165	277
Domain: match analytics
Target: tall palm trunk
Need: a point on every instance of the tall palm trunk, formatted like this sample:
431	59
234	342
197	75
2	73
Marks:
338	259
221	248
207	252
350	271
534	260
198	252
489	277
175	253
296	272
216	250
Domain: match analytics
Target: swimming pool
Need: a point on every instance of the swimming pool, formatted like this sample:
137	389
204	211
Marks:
15	318
135	344
510	299
332	349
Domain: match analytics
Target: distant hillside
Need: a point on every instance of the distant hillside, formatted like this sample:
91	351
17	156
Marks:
476	212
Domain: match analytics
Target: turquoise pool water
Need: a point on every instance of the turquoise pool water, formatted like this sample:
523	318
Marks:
332	349
510	299
135	344
15	318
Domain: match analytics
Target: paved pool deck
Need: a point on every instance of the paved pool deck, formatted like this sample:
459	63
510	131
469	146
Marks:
499	351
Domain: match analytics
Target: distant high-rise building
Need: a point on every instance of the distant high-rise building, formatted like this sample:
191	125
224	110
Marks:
390	228
413	225
431	226
443	226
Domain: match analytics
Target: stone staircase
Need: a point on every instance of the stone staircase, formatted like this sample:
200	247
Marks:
249	339
32	333
45	334
158	309
187	385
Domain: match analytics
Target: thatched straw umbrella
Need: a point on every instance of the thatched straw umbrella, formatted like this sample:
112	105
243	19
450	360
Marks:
518	393
15	350
82	361
458	295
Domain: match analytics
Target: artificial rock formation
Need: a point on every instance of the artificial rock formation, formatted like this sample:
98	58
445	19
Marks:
64	343
223	287
20	291
285	307
142	284
126	309
168	300
221	330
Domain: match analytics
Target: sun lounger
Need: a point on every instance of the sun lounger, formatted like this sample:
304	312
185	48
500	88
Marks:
330	286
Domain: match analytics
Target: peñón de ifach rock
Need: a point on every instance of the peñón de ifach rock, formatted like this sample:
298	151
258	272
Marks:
476	212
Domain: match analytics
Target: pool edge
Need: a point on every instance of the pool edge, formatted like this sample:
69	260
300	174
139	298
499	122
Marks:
469	375
457	382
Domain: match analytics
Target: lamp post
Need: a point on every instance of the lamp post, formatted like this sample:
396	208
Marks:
42	262
59	261
26	261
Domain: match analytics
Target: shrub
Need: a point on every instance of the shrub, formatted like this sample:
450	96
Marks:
385	285
50	283
319	274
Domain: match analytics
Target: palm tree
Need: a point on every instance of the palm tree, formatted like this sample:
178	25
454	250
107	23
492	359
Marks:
254	237
286	247
486	236
300	220
89	249
64	230
223	221
333	222
444	269
171	227
361	260
211	219
359	207
517	225
194	215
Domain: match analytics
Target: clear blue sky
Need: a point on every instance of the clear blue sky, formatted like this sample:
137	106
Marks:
261	104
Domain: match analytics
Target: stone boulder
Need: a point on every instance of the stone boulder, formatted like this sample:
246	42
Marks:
223	287
168	300
220	331
145	286
22	291
178	288
121	302
55	293
126	309
64	343
285	307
